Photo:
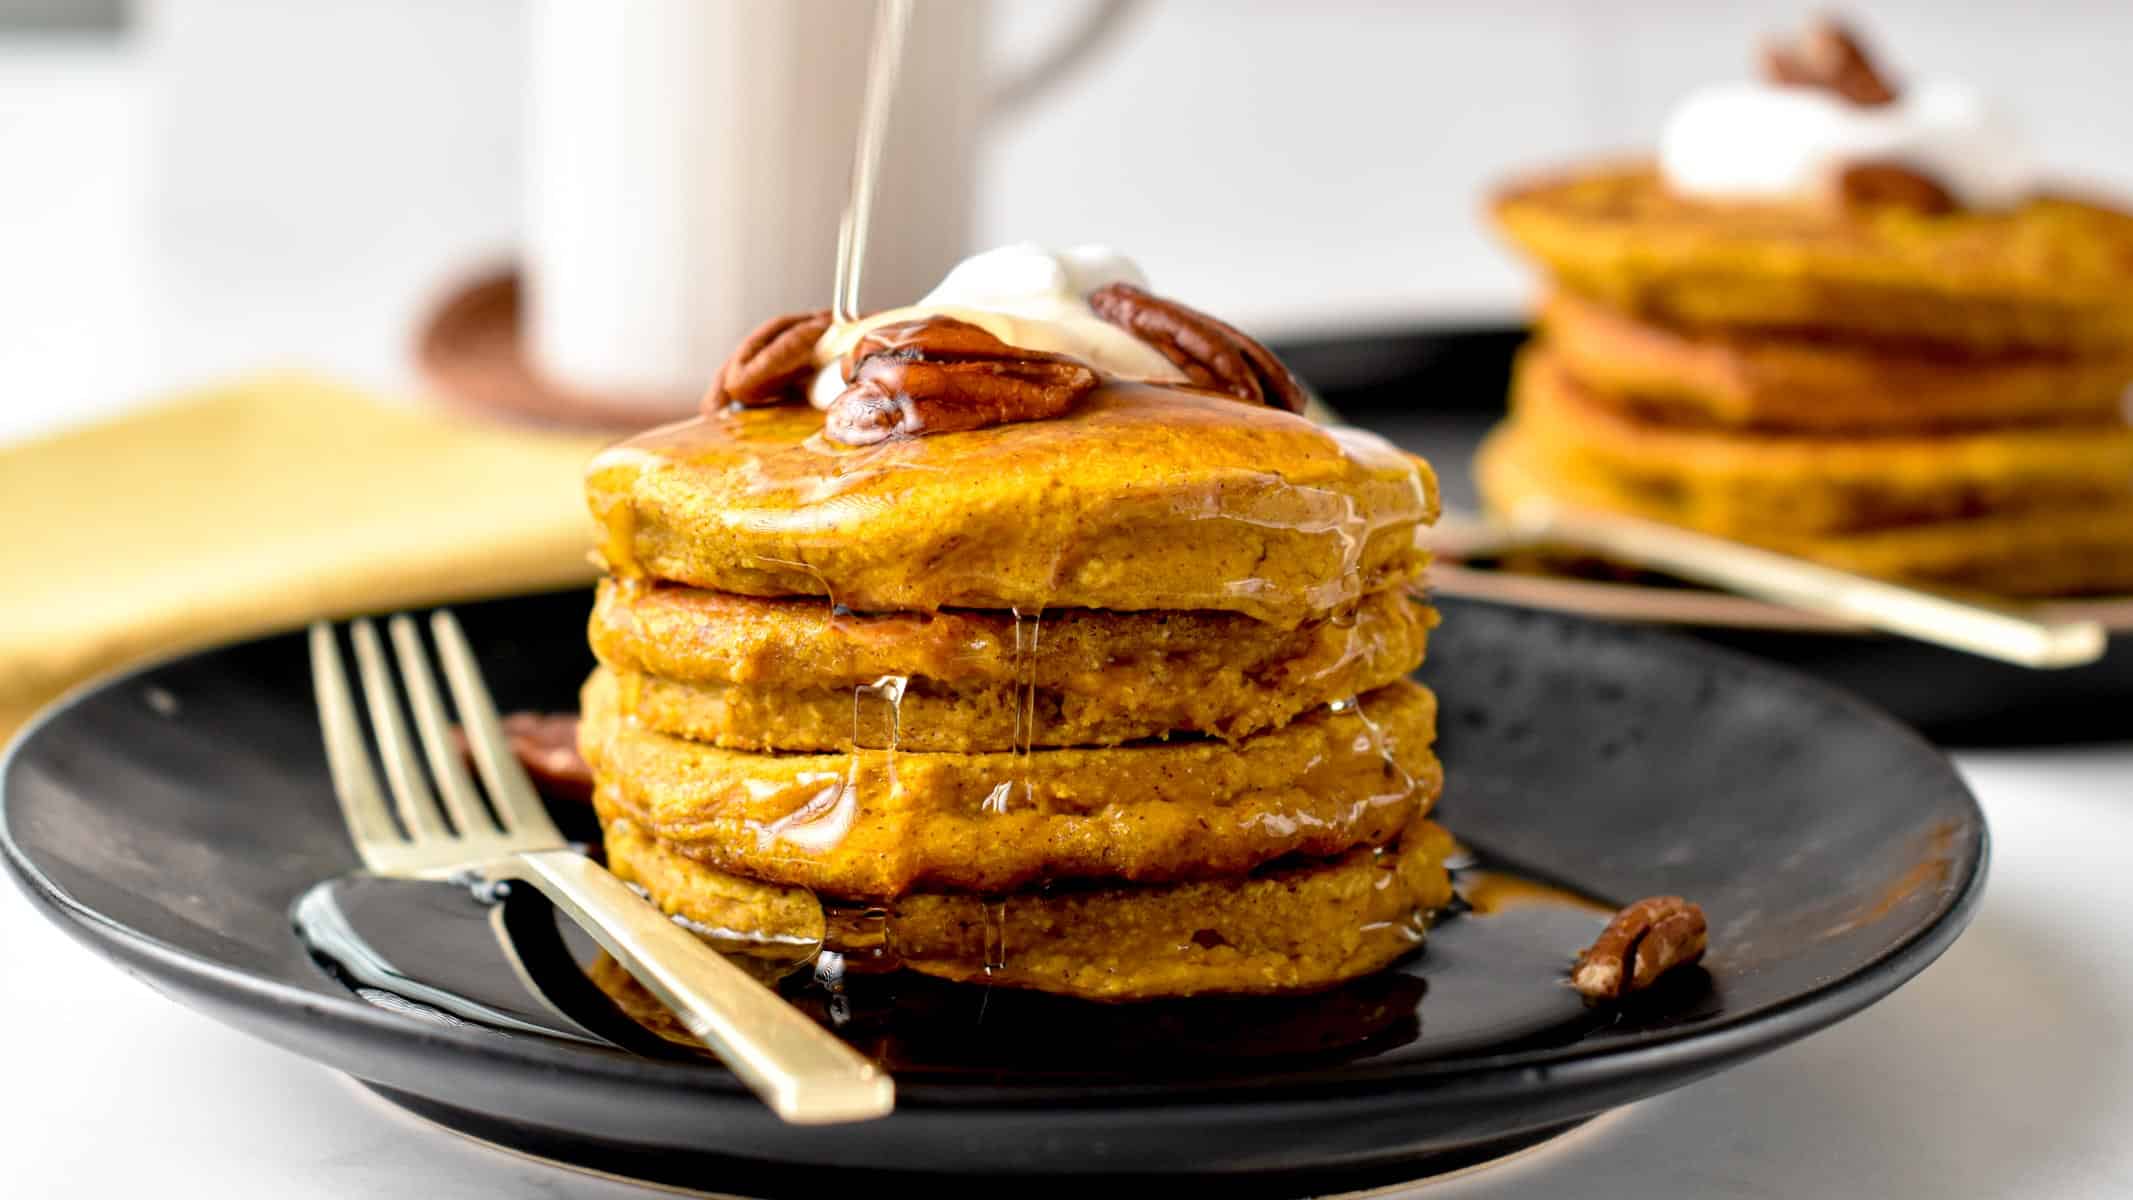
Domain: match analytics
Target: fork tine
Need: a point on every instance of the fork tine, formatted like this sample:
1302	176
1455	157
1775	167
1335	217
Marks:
446	766
411	793
511	793
370	826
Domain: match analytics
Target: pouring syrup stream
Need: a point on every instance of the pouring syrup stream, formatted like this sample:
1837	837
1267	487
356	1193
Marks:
884	64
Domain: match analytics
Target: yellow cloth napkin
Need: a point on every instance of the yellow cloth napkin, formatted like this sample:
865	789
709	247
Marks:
264	505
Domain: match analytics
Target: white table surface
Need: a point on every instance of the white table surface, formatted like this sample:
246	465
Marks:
2005	1070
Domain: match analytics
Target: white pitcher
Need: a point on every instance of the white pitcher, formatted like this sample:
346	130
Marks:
688	161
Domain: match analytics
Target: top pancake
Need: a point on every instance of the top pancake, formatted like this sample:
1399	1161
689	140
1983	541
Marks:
1144	497
2053	273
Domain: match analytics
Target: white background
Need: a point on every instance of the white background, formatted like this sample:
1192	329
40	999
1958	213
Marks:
250	183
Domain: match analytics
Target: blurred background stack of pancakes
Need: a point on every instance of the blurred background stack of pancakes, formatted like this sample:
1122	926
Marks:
1933	394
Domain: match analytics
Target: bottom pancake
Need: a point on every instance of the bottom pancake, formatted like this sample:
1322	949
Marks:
1293	926
2061	552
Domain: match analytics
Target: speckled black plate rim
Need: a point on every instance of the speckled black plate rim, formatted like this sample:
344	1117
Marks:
1577	1067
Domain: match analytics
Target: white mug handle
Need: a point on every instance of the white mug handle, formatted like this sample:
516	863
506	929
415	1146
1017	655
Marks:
1099	21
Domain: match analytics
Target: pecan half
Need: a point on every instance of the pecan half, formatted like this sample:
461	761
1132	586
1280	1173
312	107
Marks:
1829	56
771	363
941	375
1212	353
1875	184
1641	943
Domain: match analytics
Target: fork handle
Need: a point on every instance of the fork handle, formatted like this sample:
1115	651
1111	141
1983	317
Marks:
1977	628
799	1069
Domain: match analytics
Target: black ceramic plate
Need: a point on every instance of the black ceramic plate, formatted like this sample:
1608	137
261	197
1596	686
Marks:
174	818
1438	391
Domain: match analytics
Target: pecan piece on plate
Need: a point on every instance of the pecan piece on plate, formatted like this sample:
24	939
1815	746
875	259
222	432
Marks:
770	364
1828	56
941	375
1872	184
1641	943
1212	353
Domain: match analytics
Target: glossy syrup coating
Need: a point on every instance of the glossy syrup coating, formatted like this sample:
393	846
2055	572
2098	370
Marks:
1145	497
749	673
874	824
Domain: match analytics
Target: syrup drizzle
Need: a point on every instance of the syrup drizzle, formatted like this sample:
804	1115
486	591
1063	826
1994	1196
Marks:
829	973
1379	743
1022	677
1022	685
995	933
823	820
890	690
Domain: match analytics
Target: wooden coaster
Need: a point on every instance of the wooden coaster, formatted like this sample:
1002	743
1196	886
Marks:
471	351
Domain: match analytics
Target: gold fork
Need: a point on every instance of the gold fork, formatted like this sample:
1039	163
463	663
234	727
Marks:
799	1069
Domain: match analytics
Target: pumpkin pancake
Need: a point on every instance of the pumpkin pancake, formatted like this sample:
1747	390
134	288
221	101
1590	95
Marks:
1146	497
1749	485
2053	273
1293	925
1820	385
2076	551
874	824
758	674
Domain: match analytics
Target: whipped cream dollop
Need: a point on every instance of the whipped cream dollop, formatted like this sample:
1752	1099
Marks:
1027	296
1762	141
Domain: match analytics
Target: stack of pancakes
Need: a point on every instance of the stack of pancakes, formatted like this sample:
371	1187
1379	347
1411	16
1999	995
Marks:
1113	705
1930	397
